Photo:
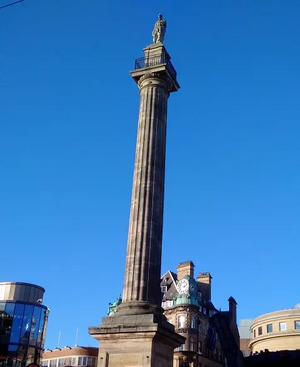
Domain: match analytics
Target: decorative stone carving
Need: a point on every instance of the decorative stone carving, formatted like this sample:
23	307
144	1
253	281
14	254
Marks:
159	30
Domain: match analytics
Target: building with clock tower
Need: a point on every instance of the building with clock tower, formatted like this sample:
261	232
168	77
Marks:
187	305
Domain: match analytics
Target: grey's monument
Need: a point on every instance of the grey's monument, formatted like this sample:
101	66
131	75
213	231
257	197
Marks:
137	333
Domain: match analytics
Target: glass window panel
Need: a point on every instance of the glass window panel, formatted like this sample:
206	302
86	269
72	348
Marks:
199	346
2	323
297	324
31	356
200	327
35	325
12	354
45	363
91	361
72	361
17	323
62	361
53	362
6	318
41	328
260	330
269	328
193	323
22	352
2	307
45	328
9	308
282	326
181	322
25	331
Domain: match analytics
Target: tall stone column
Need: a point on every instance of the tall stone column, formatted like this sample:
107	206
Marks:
138	334
143	260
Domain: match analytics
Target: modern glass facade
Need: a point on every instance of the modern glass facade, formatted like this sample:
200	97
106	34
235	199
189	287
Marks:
22	332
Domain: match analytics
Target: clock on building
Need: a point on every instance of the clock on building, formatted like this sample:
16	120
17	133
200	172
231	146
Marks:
183	286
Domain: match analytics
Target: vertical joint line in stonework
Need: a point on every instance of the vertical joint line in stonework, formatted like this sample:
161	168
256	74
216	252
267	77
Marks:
148	147
156	122
139	171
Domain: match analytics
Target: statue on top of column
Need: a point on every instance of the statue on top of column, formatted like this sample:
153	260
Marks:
159	30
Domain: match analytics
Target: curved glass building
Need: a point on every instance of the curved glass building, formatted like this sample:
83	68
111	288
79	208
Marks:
23	323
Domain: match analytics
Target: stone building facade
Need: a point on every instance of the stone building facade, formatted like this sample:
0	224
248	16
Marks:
276	331
187	305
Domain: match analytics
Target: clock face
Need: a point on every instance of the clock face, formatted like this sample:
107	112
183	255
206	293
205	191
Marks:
183	286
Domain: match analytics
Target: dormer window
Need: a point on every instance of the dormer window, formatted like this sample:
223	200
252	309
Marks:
163	288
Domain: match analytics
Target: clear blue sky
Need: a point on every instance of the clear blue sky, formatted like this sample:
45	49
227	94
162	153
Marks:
67	141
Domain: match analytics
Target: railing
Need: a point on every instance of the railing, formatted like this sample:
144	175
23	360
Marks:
147	62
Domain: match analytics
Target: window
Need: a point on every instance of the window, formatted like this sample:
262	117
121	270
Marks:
45	363
169	303
199	346
206	328
182	347
204	310
200	326
282	326
82	361
297	324
91	361
193	322
72	361
270	328
193	345
260	330
200	295
62	362
254	333
211	313
163	288
181	322
53	362
200	308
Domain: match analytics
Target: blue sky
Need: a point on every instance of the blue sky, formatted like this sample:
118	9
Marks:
68	127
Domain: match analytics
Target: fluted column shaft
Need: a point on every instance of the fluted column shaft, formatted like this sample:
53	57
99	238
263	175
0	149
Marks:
143	259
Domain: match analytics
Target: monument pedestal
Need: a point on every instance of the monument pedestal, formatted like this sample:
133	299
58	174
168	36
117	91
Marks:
136	340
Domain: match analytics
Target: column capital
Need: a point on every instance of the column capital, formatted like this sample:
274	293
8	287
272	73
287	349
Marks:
158	79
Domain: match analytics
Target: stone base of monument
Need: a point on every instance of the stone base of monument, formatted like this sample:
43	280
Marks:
136	340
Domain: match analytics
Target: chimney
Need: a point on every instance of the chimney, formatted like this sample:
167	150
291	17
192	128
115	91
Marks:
185	268
232	309
204	280
232	315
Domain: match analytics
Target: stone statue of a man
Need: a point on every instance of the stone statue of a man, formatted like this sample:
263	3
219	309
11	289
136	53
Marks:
159	30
